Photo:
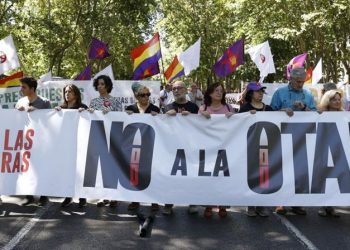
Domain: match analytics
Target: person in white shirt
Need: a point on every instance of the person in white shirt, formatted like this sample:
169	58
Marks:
166	96
195	95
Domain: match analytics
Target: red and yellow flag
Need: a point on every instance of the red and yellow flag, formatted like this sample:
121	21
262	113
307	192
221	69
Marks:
308	78
12	80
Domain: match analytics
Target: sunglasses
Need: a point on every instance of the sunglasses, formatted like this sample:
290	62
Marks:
144	94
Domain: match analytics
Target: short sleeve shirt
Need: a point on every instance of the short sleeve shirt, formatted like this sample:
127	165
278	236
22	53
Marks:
38	103
285	97
111	103
188	106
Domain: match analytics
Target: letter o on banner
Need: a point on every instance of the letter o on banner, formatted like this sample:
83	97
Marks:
264	161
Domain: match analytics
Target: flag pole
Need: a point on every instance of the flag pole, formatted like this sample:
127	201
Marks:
161	59
162	73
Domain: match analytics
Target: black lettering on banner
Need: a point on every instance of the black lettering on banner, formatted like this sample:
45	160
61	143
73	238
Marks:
301	169
135	161
264	175
180	163
221	163
201	170
129	165
328	138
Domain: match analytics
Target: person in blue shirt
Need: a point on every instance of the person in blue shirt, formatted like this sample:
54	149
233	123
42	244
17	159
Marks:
293	97
289	99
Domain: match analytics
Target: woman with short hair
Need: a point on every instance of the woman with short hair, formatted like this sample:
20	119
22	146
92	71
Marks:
106	103
143	106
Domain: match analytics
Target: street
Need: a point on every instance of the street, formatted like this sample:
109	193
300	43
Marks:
53	227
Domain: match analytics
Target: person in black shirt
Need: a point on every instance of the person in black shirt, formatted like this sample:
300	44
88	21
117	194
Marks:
253	102
253	99
185	107
143	106
72	100
181	104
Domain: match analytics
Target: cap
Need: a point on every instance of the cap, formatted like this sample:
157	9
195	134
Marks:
255	86
298	73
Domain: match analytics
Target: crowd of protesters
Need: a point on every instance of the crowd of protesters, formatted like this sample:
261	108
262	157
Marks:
175	99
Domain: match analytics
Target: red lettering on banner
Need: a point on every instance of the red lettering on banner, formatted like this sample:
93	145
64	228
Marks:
16	164
19	141
6	143
5	163
29	137
25	166
14	160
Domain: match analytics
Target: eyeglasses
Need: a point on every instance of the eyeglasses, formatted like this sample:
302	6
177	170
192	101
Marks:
144	94
177	88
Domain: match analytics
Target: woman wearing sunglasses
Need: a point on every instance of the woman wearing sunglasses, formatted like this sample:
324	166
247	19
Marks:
143	106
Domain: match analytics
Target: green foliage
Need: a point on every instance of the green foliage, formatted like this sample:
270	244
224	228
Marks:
56	34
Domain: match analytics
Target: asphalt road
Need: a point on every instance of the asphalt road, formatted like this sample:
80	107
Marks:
53	227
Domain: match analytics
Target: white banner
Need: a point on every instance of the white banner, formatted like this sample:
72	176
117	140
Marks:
52	90
265	159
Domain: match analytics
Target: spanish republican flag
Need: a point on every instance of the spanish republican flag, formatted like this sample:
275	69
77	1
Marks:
308	78
145	59
174	70
12	80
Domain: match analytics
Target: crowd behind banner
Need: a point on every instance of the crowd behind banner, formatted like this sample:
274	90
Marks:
52	90
123	156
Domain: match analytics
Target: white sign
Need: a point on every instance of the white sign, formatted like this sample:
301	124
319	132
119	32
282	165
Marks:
53	90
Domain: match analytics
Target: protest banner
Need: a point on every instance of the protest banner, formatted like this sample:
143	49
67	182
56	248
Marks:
265	159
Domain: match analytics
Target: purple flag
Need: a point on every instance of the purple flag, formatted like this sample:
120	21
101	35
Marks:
296	62
230	60
85	74
98	49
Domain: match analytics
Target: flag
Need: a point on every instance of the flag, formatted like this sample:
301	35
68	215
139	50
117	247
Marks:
98	49
230	60
308	78
108	71
12	80
317	73
189	59
296	62
262	57
8	55
145	59
174	70
85	74
46	77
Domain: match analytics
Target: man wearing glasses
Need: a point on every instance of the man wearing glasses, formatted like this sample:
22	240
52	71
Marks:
289	99
185	107
181	104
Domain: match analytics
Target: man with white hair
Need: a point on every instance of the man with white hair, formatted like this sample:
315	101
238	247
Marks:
293	97
289	99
